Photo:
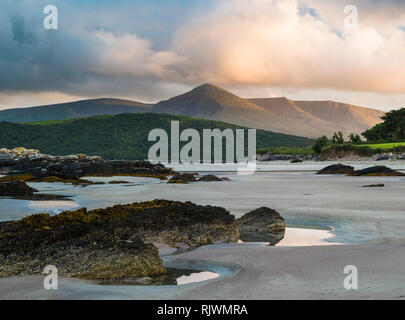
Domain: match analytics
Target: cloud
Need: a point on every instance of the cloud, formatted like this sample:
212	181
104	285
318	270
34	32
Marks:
127	55
270	43
149	51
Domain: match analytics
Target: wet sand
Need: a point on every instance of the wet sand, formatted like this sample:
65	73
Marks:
369	221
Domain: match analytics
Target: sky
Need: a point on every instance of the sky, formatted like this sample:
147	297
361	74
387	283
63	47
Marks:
148	51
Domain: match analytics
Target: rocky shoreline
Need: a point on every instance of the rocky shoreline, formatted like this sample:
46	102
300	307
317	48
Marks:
269	157
32	166
119	242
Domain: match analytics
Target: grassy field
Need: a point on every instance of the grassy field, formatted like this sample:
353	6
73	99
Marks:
385	145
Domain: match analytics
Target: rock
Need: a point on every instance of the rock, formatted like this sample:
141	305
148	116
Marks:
296	160
118	182
209	178
20	161
111	243
337	169
225	179
261	225
16	188
183	178
383	158
377	171
381	185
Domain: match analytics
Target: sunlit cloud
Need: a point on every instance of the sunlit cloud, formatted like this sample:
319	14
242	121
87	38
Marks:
290	47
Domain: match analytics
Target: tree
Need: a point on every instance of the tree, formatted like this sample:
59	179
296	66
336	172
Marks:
355	138
393	127
338	138
320	143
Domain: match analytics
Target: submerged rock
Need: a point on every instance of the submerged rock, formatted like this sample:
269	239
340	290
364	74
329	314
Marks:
381	185
111	243
377	171
337	169
16	188
262	225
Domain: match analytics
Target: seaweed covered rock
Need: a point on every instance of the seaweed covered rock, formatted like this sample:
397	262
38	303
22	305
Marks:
209	178
377	171
337	169
16	188
262	225
111	243
183	178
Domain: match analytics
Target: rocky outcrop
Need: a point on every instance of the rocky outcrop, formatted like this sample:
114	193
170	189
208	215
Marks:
377	171
16	188
262	225
111	243
35	166
337	169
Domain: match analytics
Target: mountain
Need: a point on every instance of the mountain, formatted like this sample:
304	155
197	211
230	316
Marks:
304	118
301	118
122	136
73	110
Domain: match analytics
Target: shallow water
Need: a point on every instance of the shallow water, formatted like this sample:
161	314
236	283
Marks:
173	277
302	198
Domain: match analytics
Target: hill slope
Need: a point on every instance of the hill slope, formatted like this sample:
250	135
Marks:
115	137
73	110
302	118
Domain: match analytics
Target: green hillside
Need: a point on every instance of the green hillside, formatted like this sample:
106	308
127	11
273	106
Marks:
123	136
73	110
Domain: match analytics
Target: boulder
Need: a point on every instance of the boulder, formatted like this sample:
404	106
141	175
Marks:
377	171
262	225
337	169
16	188
381	185
111	243
183	178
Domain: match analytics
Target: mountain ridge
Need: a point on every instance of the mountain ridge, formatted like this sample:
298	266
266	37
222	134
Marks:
207	101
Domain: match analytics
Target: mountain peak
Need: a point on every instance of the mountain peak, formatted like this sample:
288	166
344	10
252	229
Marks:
208	87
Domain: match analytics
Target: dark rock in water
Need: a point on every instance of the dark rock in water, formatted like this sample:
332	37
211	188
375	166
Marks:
16	188
337	169
377	171
183	178
118	182
225	179
296	160
111	243
262	225
209	178
381	185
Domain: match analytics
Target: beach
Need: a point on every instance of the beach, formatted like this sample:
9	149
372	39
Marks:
366	227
